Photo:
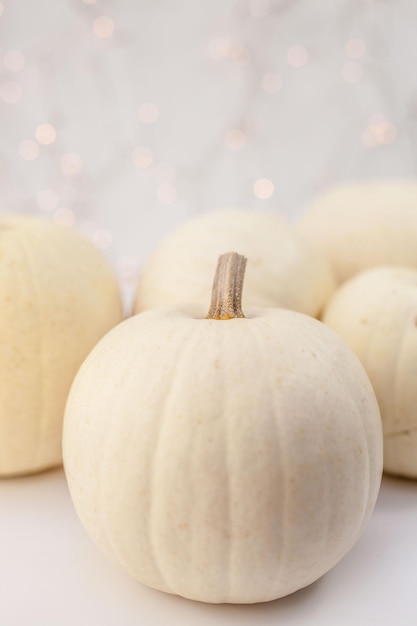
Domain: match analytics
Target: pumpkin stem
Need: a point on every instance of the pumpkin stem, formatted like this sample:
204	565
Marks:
226	297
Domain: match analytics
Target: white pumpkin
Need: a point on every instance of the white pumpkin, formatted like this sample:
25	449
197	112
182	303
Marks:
283	269
364	225
59	296
376	314
225	459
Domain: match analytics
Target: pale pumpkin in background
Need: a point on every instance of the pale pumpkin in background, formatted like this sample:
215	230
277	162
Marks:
376	314
364	225
283	270
224	459
58	298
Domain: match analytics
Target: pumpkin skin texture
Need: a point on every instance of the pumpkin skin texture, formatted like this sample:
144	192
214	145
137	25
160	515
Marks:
376	314
364	225
283	269
59	297
224	461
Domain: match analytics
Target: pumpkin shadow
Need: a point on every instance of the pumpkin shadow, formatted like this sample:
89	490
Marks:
31	491
280	607
250	614
396	494
36	474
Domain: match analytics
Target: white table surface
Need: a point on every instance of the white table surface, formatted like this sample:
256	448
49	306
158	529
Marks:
51	574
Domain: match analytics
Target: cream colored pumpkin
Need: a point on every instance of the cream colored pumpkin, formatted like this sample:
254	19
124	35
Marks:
376	314
283	269
224	460
364	225
58	298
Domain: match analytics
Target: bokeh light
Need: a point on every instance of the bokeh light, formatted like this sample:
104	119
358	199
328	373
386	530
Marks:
355	48
148	113
235	139
45	134
297	56
263	188
380	131
142	157
103	27
239	54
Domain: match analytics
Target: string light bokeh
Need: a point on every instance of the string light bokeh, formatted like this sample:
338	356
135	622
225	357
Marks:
121	119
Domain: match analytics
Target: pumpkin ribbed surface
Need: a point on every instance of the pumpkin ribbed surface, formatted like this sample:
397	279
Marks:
224	461
59	297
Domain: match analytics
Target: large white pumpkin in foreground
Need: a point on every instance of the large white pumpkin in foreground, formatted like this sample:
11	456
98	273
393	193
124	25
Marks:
58	298
376	314
224	460
283	269
364	225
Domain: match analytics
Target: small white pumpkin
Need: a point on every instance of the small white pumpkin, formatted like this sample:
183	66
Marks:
283	269
59	296
226	459
364	225
376	314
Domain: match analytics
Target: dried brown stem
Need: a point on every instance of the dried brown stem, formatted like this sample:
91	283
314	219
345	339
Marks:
226	298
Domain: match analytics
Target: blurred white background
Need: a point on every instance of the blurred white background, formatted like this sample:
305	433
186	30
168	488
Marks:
121	118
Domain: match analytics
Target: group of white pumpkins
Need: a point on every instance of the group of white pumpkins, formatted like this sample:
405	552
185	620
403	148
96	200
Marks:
229	452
